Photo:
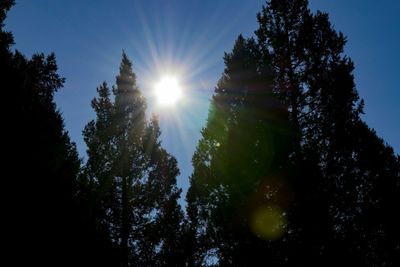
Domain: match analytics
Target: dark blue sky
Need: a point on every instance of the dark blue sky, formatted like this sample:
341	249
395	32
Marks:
189	38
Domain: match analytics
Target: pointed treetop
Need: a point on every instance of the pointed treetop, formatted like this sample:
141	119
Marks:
126	80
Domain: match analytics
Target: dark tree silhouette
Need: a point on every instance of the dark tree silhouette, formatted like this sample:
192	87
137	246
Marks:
133	177
316	81
286	172
237	198
45	212
340	181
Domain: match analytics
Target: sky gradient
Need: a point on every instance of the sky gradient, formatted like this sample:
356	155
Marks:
188	38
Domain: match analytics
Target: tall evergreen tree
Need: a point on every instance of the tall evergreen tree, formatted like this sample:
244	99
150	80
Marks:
237	199
343	177
307	55
43	214
133	177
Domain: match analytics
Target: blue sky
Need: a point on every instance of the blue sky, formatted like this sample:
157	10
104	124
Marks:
188	38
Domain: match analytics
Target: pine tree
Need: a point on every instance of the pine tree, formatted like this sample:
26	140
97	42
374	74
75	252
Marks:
235	186
42	212
134	178
343	177
315	79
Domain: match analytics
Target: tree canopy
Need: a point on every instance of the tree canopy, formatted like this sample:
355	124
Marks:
286	173
132	176
306	163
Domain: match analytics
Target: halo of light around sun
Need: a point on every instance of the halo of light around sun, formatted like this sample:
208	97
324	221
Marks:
168	90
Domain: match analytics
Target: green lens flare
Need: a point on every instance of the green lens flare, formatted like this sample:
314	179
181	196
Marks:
268	223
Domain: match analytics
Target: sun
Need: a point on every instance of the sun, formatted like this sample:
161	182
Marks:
168	90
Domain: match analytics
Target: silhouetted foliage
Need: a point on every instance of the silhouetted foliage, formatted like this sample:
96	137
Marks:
340	182
45	218
132	176
239	164
316	81
286	172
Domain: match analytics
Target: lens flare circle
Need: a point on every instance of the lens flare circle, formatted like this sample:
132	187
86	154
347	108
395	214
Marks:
168	90
268	223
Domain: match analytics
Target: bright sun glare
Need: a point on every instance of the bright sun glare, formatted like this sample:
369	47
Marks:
168	90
